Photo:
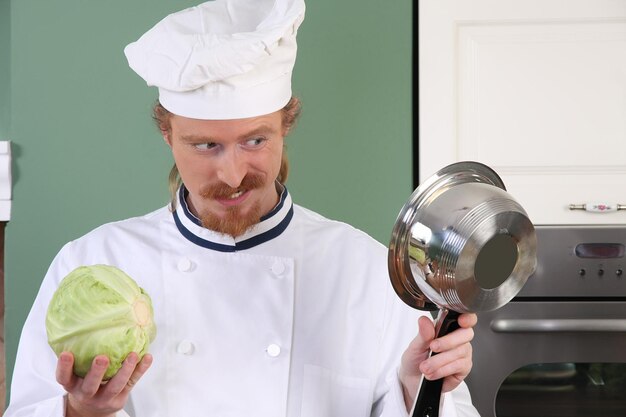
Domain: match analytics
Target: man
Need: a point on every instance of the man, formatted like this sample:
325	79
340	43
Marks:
262	307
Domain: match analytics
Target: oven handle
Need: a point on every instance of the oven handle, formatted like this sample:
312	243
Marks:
558	325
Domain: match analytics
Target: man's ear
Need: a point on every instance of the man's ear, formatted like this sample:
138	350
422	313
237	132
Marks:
167	137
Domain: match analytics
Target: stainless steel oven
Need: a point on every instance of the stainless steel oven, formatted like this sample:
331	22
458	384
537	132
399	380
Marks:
559	347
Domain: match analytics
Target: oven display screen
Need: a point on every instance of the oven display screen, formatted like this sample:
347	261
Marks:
600	250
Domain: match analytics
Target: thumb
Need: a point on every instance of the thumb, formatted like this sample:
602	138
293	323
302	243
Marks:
426	331
417	351
421	343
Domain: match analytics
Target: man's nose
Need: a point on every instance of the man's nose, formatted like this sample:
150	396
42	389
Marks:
232	168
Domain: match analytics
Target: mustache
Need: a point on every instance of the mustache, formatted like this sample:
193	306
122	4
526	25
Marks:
222	190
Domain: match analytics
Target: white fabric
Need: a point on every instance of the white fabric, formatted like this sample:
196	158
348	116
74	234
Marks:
223	59
303	323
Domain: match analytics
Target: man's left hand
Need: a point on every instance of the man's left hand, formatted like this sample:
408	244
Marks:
452	362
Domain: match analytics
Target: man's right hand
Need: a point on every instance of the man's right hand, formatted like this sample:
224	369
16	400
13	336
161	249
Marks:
89	397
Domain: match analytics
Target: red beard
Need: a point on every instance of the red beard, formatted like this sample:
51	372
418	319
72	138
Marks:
234	222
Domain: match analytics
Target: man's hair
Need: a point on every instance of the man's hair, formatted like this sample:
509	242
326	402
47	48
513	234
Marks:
162	116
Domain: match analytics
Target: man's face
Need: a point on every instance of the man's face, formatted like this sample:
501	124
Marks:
229	168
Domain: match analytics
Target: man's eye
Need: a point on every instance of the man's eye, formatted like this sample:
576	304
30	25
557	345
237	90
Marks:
204	146
254	143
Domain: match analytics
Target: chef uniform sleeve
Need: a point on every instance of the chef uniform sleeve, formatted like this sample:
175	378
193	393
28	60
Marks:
34	389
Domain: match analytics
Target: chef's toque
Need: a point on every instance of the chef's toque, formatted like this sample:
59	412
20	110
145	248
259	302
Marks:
223	59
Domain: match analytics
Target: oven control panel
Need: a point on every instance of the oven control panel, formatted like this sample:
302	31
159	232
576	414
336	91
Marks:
579	261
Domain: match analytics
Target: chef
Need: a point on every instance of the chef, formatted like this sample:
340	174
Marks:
262	306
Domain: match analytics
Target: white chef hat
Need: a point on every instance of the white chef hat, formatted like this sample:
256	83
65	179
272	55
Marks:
223	59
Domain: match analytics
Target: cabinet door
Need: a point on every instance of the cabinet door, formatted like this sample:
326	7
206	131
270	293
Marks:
536	89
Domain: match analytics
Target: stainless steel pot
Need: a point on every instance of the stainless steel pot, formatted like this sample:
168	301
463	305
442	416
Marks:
460	244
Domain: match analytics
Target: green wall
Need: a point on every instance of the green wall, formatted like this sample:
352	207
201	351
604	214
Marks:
85	151
5	45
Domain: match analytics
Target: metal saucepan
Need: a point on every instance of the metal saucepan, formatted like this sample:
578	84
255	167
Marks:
460	244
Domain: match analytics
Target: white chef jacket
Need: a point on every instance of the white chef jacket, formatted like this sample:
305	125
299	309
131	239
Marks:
295	318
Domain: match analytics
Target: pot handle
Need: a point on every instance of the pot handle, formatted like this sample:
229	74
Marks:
428	399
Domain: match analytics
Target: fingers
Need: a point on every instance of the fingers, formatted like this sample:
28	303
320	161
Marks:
145	363
128	375
426	334
65	371
419	348
93	379
464	334
453	372
91	391
90	394
82	394
451	362
119	381
468	320
426	329
452	340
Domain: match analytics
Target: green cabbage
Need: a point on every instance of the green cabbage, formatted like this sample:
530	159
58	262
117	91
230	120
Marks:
99	310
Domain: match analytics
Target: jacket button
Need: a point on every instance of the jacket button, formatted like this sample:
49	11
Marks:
185	347
278	268
273	350
185	265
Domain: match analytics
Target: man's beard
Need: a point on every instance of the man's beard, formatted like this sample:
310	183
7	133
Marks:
233	223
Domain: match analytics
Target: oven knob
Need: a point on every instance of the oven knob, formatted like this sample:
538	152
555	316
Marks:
582	272
619	272
600	271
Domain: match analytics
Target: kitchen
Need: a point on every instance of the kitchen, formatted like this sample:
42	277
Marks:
484	95
535	89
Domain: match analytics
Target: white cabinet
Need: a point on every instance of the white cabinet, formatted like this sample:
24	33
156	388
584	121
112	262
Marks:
536	89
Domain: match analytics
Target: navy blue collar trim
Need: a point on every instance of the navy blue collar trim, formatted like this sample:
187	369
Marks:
279	206
182	202
242	245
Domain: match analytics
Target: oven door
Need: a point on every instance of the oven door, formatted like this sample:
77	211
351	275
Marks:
548	359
